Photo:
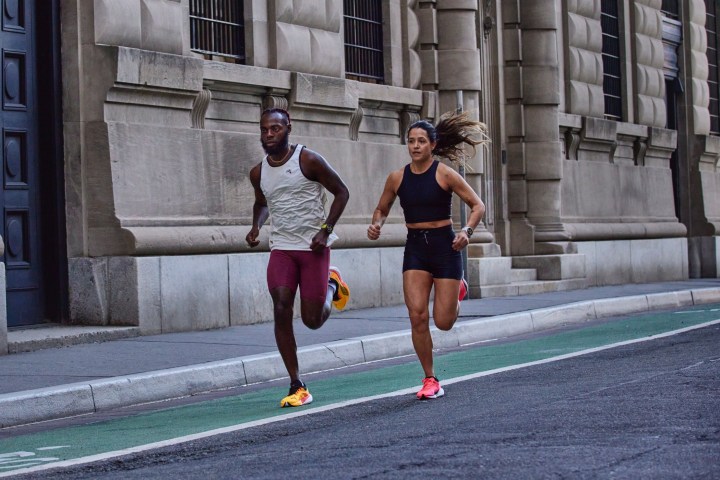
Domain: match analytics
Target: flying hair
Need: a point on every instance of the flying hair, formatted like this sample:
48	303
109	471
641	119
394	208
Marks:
452	133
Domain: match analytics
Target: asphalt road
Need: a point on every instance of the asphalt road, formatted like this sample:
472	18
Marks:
644	410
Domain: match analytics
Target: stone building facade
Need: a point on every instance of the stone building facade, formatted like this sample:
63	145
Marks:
143	218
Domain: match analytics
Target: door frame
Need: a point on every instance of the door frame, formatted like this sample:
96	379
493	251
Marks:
50	148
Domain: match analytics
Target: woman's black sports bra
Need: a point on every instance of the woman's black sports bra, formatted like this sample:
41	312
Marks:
421	198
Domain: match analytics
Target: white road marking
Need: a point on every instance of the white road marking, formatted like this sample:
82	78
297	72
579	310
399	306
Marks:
346	403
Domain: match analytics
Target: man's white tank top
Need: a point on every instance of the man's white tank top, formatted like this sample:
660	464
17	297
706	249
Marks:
296	204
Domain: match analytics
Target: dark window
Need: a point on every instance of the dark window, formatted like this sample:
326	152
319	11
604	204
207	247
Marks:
216	28
364	40
712	56
670	8
611	50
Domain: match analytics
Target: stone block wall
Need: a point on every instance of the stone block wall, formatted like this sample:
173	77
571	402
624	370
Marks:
195	292
306	36
617	182
617	262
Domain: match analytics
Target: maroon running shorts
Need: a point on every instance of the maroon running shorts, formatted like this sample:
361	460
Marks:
300	268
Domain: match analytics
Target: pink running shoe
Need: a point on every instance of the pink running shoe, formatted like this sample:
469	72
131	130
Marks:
463	289
431	389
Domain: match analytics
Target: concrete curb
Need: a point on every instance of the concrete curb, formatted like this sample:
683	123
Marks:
100	395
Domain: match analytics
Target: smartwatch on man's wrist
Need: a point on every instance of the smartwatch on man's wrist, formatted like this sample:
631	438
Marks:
468	231
327	227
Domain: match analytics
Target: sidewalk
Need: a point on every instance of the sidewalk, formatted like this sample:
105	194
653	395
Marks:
87	378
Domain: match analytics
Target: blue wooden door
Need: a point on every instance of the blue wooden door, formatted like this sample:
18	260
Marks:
21	170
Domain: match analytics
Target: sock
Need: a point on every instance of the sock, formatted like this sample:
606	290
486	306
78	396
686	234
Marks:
333	284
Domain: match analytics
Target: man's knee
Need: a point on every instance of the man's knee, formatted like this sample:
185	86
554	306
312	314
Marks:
312	323
314	316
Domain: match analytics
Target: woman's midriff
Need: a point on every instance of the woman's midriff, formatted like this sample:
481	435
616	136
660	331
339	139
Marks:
433	224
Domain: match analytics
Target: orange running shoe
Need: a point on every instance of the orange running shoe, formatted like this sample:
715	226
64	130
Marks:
342	292
297	397
431	389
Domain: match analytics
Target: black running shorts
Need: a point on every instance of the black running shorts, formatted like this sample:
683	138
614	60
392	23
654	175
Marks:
431	250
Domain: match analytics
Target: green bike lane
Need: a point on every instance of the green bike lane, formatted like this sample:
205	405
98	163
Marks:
109	438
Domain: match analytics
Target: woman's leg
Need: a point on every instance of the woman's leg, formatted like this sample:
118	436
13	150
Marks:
446	305
416	287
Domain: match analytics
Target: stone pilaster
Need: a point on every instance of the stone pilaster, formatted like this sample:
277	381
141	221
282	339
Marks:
696	42
648	54
583	58
459	70
533	97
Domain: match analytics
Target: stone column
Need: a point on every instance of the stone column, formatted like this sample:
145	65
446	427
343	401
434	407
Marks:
534	149
451	32
699	153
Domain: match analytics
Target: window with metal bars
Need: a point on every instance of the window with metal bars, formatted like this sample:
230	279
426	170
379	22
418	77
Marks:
364	40
711	15
611	56
217	28
671	8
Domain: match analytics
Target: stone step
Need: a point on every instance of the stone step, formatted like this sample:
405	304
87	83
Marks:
553	267
56	336
523	275
527	288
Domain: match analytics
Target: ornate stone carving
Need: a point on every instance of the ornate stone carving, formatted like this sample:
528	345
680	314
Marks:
572	142
274	101
407	118
639	149
355	121
199	108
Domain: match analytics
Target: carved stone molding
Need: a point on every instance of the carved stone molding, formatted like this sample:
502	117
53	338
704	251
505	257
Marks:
199	108
407	118
572	143
613	147
639	150
550	231
355	121
274	101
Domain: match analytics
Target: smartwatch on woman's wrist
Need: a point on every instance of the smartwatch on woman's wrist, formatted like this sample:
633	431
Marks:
468	231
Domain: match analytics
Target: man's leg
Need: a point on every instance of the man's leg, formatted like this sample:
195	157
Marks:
316	292
283	279
283	300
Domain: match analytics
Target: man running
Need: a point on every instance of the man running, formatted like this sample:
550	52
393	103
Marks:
290	184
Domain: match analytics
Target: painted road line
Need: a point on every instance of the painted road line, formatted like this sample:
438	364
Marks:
103	440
